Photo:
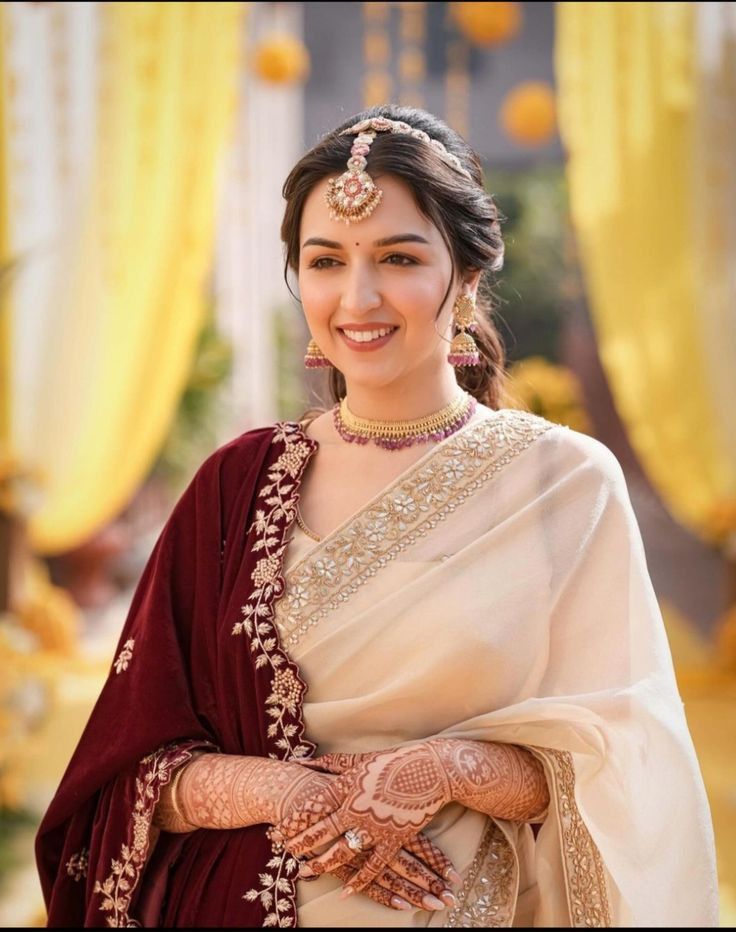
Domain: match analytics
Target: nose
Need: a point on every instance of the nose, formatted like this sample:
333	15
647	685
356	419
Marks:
360	292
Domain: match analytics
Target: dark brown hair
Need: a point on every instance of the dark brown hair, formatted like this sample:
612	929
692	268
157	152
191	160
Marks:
461	209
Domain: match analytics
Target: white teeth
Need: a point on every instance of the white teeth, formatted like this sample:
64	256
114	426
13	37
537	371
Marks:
365	336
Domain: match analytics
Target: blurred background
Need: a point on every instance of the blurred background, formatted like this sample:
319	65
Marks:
144	319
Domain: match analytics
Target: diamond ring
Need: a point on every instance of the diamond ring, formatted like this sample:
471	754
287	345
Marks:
353	840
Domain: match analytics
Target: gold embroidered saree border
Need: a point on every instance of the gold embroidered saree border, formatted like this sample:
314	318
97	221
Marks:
585	876
335	568
489	892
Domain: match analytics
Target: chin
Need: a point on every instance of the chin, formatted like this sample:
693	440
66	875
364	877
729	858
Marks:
372	380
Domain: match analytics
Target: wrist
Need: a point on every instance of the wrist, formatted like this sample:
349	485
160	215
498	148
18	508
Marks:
266	785
443	761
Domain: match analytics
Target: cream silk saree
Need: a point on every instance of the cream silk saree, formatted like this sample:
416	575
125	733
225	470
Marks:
498	590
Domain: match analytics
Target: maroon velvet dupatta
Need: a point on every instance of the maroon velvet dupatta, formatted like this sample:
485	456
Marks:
198	665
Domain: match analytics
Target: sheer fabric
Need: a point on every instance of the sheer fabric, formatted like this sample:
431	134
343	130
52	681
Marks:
525	615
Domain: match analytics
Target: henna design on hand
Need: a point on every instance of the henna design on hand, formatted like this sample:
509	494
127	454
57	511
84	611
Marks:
419	870
389	796
230	791
502	780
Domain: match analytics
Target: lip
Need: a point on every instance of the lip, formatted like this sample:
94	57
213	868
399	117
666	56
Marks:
361	327
368	347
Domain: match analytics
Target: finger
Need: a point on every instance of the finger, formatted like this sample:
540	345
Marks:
375	865
433	857
382	895
412	893
314	764
309	813
321	833
411	868
336	855
339	762
341	853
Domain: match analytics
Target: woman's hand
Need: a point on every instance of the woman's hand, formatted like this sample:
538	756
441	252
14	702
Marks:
387	798
417	876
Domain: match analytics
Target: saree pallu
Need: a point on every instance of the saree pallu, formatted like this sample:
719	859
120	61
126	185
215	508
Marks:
496	590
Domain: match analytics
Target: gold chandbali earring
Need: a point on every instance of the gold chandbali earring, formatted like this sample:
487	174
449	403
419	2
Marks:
315	358
463	349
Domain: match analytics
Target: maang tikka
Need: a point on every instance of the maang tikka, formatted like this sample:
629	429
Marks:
354	195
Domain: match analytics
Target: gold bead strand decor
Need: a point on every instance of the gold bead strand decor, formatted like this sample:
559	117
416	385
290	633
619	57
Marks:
457	79
412	63
377	80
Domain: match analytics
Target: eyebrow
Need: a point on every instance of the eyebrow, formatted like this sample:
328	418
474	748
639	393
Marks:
388	241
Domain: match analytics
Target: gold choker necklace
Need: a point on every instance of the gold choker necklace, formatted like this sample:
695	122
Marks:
393	435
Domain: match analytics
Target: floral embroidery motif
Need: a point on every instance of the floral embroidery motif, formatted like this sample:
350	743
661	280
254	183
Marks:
277	893
125	870
125	656
332	570
488	896
584	872
76	866
283	865
280	494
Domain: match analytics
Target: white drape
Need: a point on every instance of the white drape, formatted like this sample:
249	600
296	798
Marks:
499	591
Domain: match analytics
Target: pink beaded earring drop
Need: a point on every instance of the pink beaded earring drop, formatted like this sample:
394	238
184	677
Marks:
315	358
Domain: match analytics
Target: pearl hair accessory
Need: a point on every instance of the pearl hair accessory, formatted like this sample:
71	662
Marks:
354	195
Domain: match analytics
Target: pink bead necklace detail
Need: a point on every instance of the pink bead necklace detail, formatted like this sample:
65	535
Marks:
394	435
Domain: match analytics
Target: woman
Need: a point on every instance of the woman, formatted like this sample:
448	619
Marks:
447	600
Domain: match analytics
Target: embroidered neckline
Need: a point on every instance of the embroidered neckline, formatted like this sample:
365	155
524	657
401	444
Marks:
402	477
333	569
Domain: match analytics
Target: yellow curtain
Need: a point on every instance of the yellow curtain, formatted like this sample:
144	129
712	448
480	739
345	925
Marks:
134	297
5	357
627	98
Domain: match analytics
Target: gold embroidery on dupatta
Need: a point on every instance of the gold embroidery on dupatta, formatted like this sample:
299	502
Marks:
334	568
284	702
117	888
279	882
277	891
585	875
488	896
125	656
76	866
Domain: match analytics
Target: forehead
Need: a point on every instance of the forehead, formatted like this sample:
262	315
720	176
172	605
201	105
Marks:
397	212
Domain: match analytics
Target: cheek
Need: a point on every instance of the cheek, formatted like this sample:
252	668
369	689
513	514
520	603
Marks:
420	299
317	299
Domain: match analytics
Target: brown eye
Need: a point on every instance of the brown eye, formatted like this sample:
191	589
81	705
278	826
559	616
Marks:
317	264
403	260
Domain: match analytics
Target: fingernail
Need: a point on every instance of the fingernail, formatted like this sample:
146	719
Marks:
448	898
431	902
453	875
306	871
398	903
346	892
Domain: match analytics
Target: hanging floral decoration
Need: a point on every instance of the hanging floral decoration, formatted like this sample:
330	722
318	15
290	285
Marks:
488	23
282	59
528	113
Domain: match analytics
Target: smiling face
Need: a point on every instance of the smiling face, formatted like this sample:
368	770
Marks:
391	271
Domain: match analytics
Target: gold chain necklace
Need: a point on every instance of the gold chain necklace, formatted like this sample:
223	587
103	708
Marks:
392	435
303	526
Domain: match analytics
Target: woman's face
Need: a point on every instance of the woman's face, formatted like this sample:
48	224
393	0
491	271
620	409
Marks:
388	271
